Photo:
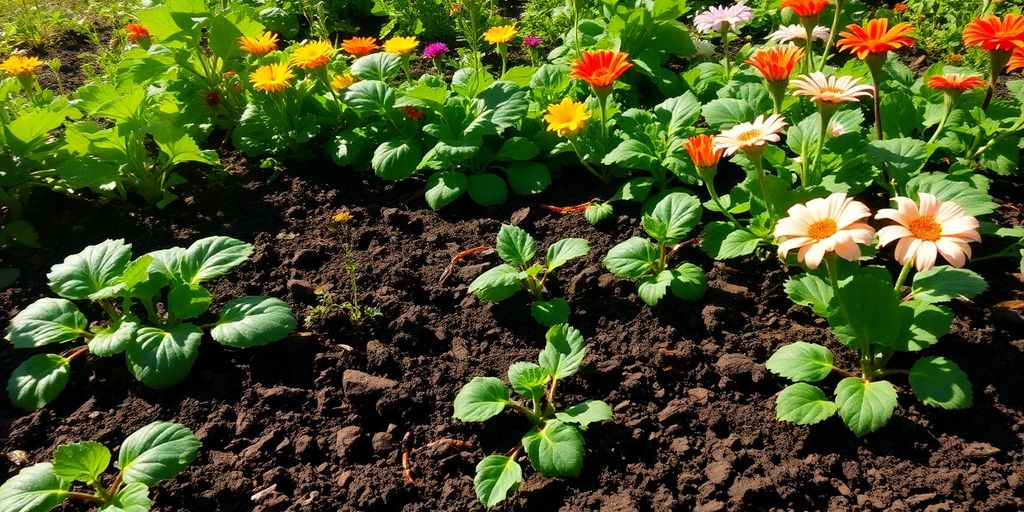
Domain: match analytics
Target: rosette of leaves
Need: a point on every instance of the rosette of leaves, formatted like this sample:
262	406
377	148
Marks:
866	314
154	308
154	453
649	261
517	249
554	443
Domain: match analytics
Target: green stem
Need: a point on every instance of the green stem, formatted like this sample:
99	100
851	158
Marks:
809	48
831	35
534	418
718	202
825	113
82	496
725	52
755	159
586	165
903	276
603	100
945	117
501	52
833	279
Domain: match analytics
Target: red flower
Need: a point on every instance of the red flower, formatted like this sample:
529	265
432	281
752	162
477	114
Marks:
955	81
992	33
600	68
213	98
412	112
900	8
136	32
805	8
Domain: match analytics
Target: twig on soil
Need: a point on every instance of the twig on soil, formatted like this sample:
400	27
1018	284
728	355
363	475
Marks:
406	470
563	210
464	254
457	443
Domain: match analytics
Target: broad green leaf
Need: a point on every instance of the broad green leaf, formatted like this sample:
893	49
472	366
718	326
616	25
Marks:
188	300
93	273
635	189
380	66
632	258
528	379
929	322
133	497
114	339
370	98
903	157
137	272
161	359
585	413
945	283
688	282
444	187
224	29
974	201
556	449
212	257
597	212
939	382
810	290
481	399
801	361
566	249
803	404
564	351
253	321
497	284
84	461
865	406
487	189
517	149
515	245
526	178
507	104
497	476
551	312
167	262
34	489
37	381
724	113
157	452
396	159
722	241
673	217
874	313
46	321
652	288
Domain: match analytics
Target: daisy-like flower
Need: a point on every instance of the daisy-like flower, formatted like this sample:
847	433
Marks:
805	8
822	226
271	78
927	229
501	34
994	34
600	68
258	45
875	38
343	81
831	89
750	137
567	118
20	65
1016	61
836	128
399	45
136	33
703	153
790	33
900	8
777	62
359	46
435	50
532	41
955	82
719	18
313	55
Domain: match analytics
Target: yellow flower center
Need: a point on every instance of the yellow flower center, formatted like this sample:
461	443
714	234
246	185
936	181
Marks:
822	229
925	228
749	135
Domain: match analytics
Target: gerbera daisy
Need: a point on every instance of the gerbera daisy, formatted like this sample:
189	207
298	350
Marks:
1001	38
927	229
775	64
567	118
312	55
258	45
750	137
831	89
342	81
805	8
1016	61
703	152
359	46
875	38
271	78
955	82
20	65
719	18
824	226
600	68
790	33
137	33
501	34
399	45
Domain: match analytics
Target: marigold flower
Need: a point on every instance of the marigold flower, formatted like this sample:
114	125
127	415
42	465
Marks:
271	78
900	8
600	68
136	32
831	89
721	17
359	46
746	137
435	50
955	58
258	45
805	8
501	34
777	62
399	45
342	81
790	33
313	55
20	65
927	229
567	118
955	81
455	9
875	38
703	152
991	33
822	226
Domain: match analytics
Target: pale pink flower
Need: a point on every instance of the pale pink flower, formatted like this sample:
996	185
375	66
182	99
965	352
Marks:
836	128
823	226
830	89
750	136
718	17
790	33
927	229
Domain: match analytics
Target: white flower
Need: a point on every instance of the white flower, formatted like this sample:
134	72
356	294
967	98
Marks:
717	17
750	136
789	33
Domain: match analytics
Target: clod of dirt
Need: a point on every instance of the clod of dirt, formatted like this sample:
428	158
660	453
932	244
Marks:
299	288
359	386
348	441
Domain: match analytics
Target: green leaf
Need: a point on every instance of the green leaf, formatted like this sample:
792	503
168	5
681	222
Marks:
93	273
903	157
34	489
161	359
875	315
724	113
551	312
380	66
444	187
939	382
556	449
396	159
673	217
722	241
370	98
157	452
487	189
974	201
810	290
133	497
652	288
506	103
632	258
585	413
497	284
865	406
37	381
84	461
928	323
481	399
597	212
212	257
46	321
803	404
945	283
515	245
563	352
636	189
224	29
116	338
253	321
188	300
688	282
528	379
497	476
565	250
517	149
801	361
526	178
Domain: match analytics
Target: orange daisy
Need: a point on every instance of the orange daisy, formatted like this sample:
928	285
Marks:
359	46
258	45
703	152
776	63
955	81
136	32
313	55
992	33
600	68
1016	60
805	8
875	38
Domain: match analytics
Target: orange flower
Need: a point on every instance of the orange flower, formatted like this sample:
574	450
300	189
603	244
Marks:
1016	60
900	8
703	152
258	45
312	55
776	63
992	33
359	46
955	82
875	38
20	65
805	8
600	68
135	32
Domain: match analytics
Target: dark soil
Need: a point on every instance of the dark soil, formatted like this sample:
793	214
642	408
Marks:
694	425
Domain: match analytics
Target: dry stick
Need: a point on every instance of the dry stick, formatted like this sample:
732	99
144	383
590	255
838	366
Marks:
406	471
464	254
460	444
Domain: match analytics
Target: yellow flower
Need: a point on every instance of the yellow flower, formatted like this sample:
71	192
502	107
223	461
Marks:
313	55
401	45
501	34
342	217
271	78
19	65
567	118
342	81
259	45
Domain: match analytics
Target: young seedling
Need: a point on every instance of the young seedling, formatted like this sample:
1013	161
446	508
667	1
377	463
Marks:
153	305
157	452
650	262
554	443
341	223
517	249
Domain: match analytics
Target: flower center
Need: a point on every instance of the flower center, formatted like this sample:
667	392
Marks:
925	228
749	135
822	229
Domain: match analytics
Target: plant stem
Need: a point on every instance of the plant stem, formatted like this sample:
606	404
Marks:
502	51
603	100
822	136
725	52
833	279
586	165
91	498
997	61
809	48
709	184
755	159
903	276
831	35
945	117
534	418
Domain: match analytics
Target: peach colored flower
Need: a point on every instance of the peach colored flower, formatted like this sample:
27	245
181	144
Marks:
751	136
823	226
830	89
927	229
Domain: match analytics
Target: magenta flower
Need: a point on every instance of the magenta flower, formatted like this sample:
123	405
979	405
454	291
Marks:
532	41
435	50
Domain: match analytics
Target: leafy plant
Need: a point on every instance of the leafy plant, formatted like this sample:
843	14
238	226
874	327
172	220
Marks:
154	453
153	306
554	443
357	314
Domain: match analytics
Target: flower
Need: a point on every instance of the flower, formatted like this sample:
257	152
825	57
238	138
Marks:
313	55
359	46
703	152
927	229
955	58
600	68
753	136
412	112
342	81
900	8
720	18
836	128
342	217
776	63
455	9
955	81
832	89
789	33
991	33
823	226
399	45
532	41
805	8
136	32
501	34
435	50
567	118
258	45
875	38
271	78
20	65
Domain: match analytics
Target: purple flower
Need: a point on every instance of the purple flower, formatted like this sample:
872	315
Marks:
435	50
531	41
